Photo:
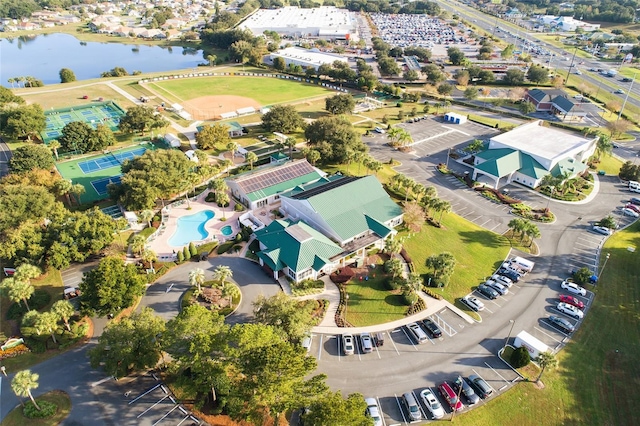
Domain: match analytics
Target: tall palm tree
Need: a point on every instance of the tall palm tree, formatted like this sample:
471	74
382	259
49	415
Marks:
17	290
47	321
53	146
196	279
604	146
232	147
12	81
251	158
375	166
546	360
146	216
77	190
22	384
223	273
517	226
408	185
291	143
64	310
393	246
223	200
226	165
230	291
532	231
62	187
150	256
138	243
218	186
443	207
212	60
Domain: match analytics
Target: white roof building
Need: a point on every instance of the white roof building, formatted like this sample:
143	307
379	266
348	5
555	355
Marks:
319	22
304	57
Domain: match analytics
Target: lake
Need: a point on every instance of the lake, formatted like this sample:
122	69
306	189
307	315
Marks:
44	55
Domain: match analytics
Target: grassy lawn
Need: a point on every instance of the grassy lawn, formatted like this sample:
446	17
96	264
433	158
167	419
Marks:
610	164
266	91
61	399
478	252
371	303
60	96
598	370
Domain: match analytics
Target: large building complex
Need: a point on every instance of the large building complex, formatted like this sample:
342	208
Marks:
326	22
304	57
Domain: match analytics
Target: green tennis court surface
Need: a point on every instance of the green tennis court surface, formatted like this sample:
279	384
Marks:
107	113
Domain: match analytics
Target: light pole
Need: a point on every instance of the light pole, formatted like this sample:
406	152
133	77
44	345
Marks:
447	162
551	189
513	322
606	259
626	97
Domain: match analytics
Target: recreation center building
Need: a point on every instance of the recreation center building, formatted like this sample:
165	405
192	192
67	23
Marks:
326	22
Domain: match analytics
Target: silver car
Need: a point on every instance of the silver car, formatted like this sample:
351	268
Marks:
472	302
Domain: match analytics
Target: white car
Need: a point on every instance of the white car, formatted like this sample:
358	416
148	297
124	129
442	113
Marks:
502	280
347	344
573	288
374	411
473	303
602	230
431	402
500	288
380	130
570	310
629	212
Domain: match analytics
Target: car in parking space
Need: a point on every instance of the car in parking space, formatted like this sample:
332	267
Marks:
632	207
512	275
502	280
630	212
473	303
380	130
431	402
432	328
412	407
467	390
562	324
347	344
635	200
481	387
373	411
601	230
366	342
487	291
570	310
497	287
571	300
573	288
416	332
450	396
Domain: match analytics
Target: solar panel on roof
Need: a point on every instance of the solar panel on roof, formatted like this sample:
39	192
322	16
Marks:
304	195
275	176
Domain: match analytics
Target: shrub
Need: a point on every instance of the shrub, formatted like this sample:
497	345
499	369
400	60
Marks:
394	283
417	307
238	207
225	247
38	300
210	198
186	253
36	346
342	275
409	298
180	256
47	409
192	249
432	293
15	351
520	357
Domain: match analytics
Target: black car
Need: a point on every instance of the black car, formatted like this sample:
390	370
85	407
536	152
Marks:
487	291
626	80
467	390
431	328
561	324
512	275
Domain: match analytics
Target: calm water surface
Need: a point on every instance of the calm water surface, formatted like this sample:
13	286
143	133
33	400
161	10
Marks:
44	55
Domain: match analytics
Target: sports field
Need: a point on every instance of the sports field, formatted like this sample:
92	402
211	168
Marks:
209	97
98	171
107	113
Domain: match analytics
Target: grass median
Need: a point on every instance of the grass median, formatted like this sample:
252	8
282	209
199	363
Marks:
598	370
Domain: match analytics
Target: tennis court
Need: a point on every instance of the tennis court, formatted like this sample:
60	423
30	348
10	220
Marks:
107	113
96	172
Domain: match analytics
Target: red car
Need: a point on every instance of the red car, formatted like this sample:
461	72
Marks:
450	396
572	301
632	207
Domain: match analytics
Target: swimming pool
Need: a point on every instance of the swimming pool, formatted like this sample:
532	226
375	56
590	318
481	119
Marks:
191	228
226	230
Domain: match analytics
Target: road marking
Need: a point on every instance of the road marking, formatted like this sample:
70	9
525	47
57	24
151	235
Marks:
99	382
400	408
394	343
494	370
410	339
550	336
147	392
451	331
151	407
166	415
320	348
479	375
424	413
169	288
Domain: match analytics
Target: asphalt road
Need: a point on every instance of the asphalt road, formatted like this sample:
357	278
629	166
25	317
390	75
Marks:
5	156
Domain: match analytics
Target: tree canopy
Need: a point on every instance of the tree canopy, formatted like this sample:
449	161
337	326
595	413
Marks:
212	135
340	104
110	287
140	118
280	311
333	137
282	118
28	157
67	76
538	74
24	121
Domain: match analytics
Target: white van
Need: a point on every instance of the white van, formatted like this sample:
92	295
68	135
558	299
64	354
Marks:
634	186
417	333
522	263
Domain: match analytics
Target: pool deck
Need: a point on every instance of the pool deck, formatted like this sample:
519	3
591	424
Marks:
160	244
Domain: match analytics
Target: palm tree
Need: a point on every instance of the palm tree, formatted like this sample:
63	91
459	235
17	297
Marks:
443	207
62	187
77	190
291	143
138	243
230	291
17	290
196	279
53	146
393	246
47	321
11	80
150	256
225	165
442	264
251	158
223	273
146	216
517	226
375	166
408	185
232	147
218	186
63	310
223	200
604	146
532	231
414	282
394	135
313	156
546	360
22	384
212	60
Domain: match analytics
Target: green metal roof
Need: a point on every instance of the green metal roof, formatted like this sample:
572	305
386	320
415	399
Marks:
492	154
346	207
501	166
283	186
530	167
568	166
296	245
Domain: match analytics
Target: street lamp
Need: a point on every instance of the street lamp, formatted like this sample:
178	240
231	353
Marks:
606	259
626	97
513	322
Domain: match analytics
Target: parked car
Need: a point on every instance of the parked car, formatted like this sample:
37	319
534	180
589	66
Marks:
416	332
513	276
502	280
487	291
467	390
570	310
366	342
601	230
632	207
306	342
431	402
380	130
565	298
573	288
473	303
630	212
432	328
562	324
412	406
373	411
347	344
450	396
497	287
635	200
481	386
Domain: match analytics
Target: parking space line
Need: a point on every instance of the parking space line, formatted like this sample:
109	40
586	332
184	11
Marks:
384	422
499	375
400	408
151	407
548	335
451	332
144	394
394	343
339	341
167	414
490	311
320	348
410	339
424	413
479	375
